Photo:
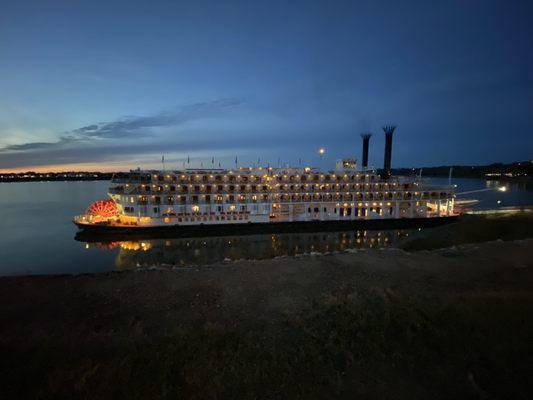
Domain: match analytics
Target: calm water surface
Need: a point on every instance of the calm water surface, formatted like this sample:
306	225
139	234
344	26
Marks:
37	235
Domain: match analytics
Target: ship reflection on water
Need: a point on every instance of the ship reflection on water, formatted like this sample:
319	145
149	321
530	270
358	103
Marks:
186	252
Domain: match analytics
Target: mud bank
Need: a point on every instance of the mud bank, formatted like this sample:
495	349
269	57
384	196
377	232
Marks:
449	323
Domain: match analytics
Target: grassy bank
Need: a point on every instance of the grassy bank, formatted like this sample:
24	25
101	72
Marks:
374	324
372	347
473	229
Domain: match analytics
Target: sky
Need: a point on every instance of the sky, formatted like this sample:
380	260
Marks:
114	85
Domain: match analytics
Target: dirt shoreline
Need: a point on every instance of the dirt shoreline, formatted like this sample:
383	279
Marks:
448	323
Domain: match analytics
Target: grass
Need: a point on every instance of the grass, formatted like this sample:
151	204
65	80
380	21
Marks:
473	229
366	344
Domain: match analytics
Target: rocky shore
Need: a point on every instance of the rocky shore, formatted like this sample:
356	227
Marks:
444	323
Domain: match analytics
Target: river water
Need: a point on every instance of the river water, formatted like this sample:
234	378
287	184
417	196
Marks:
37	235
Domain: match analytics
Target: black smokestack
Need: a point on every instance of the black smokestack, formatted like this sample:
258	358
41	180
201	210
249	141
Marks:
389	130
366	140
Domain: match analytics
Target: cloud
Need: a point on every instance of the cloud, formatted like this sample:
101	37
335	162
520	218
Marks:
132	125
128	152
129	126
64	140
29	146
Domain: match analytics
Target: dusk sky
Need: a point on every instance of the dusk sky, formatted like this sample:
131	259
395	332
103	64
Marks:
112	85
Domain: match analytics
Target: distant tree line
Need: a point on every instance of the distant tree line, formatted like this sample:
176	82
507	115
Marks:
31	176
516	170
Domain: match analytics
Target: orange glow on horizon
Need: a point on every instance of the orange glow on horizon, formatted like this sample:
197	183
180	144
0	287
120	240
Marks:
85	167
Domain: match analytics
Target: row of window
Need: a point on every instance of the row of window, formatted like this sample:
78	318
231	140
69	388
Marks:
195	199
243	178
206	218
261	188
343	211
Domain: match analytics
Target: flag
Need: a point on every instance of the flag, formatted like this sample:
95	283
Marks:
188	160
212	160
162	158
258	160
236	160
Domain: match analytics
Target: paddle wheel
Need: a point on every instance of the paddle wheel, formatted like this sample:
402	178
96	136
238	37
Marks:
103	209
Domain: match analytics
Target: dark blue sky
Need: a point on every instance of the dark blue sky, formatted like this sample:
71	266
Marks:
113	85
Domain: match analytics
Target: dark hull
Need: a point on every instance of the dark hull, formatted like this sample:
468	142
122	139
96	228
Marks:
98	233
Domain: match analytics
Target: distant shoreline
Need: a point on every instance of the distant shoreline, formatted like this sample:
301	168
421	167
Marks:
521	171
4	179
56	177
513	172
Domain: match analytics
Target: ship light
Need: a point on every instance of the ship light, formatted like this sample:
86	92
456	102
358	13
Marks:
502	189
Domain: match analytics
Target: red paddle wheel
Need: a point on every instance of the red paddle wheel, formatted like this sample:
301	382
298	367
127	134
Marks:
103	208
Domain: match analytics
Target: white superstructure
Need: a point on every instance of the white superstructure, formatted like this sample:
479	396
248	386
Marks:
268	195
